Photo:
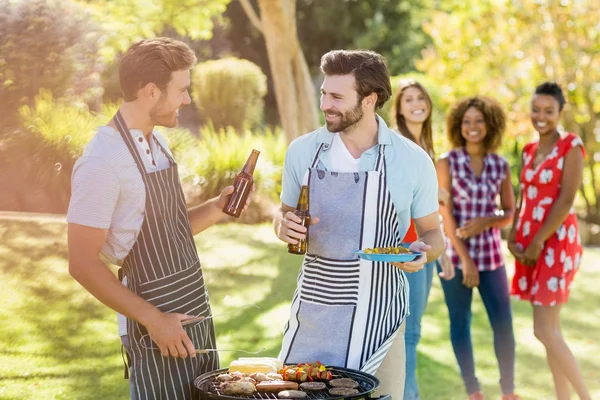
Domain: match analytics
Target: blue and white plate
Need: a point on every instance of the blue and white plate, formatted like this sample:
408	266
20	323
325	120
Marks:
402	257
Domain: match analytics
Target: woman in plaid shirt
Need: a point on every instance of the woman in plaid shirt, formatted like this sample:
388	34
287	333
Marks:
475	175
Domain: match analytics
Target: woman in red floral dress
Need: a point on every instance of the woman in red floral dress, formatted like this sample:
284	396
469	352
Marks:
545	238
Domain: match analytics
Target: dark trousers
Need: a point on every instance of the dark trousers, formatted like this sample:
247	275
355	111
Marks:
494	291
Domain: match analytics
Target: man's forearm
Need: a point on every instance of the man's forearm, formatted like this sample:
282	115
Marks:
435	239
100	281
205	215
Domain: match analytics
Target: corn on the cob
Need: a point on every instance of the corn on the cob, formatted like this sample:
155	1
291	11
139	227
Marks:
249	365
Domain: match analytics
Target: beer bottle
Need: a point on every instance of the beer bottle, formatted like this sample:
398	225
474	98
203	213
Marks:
242	187
302	212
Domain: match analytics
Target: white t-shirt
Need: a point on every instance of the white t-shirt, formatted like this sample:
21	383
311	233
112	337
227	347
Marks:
341	159
107	191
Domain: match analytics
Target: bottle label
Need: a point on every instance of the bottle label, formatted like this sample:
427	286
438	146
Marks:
240	194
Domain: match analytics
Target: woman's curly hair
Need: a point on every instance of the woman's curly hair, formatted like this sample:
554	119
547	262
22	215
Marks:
493	114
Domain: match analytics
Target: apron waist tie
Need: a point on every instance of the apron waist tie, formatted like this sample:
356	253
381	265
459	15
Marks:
126	362
124	353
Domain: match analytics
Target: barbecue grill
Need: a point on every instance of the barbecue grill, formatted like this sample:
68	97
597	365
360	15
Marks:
208	386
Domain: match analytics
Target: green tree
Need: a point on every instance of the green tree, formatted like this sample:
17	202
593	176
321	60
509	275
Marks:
129	20
294	89
391	27
506	48
37	161
46	44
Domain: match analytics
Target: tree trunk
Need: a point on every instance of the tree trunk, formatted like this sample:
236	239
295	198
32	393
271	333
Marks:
307	103
294	91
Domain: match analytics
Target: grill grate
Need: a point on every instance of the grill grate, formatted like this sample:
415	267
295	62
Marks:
209	387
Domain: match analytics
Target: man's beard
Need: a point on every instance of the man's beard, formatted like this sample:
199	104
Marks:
161	117
348	119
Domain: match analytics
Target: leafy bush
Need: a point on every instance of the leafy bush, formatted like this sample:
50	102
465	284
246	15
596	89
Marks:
180	141
219	155
213	162
45	44
53	135
40	158
229	92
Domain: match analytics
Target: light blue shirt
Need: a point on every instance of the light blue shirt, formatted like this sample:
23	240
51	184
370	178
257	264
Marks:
411	176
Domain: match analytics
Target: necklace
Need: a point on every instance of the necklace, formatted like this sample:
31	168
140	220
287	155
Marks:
541	154
539	157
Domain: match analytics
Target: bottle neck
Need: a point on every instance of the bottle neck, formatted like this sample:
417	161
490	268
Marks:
303	200
251	162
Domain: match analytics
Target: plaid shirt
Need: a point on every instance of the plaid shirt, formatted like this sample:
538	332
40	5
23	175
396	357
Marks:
474	197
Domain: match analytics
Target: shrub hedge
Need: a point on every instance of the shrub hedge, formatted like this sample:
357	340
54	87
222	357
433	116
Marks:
229	92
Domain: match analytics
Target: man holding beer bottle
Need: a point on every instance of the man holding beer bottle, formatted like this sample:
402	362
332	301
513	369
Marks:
365	183
127	206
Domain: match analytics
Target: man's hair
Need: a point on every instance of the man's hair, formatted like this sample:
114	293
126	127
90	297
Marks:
493	114
152	61
369	69
552	89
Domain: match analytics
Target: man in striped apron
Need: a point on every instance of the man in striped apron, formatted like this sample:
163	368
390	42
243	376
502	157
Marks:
366	183
128	206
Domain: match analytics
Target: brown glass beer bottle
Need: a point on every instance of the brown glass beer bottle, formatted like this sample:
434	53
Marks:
242	187
302	212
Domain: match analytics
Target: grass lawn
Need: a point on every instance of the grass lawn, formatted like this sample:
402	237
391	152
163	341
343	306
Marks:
57	342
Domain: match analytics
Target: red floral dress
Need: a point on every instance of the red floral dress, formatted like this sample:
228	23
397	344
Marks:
548	283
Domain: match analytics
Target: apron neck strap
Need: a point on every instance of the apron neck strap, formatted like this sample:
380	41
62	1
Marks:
380	164
315	160
126	136
171	160
131	146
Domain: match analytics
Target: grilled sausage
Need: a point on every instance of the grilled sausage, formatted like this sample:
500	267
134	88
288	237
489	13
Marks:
276	386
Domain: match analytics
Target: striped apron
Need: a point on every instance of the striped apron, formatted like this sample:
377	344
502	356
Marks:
346	311
163	268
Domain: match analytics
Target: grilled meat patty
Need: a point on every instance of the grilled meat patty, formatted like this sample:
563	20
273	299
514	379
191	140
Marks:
342	391
344	383
313	386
